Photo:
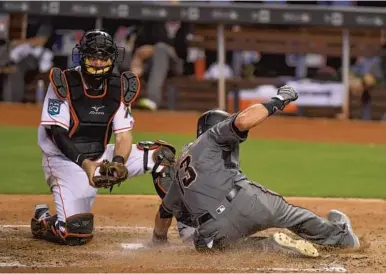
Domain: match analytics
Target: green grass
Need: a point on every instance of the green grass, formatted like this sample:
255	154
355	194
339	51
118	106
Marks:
289	168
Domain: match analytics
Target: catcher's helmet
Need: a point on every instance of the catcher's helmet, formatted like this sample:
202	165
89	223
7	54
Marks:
97	53
209	119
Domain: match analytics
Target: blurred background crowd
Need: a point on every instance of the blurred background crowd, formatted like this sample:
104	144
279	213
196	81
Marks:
157	51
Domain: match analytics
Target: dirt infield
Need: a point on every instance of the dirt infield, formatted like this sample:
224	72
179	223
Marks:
128	219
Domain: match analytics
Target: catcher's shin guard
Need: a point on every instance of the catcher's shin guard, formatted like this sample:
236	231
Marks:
77	230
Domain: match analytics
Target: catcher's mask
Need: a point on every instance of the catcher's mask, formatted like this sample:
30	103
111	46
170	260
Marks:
209	119
97	54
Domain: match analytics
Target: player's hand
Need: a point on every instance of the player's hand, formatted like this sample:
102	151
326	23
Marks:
89	167
186	232
286	94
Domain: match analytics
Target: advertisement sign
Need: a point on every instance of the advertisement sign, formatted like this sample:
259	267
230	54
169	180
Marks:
311	93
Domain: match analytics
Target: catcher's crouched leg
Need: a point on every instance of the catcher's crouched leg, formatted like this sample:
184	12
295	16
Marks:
77	230
158	157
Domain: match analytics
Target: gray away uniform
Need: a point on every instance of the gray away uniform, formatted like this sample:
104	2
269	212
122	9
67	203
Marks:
226	206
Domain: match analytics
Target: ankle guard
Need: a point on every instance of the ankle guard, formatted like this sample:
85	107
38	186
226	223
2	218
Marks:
45	229
77	230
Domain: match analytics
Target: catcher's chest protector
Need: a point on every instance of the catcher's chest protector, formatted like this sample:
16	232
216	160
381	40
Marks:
91	116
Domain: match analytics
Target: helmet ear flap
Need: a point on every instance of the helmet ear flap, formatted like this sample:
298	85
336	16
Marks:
202	123
199	131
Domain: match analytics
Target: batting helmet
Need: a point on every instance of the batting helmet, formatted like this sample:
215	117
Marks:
209	119
97	53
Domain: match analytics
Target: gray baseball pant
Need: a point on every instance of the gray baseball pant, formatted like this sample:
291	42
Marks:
255	208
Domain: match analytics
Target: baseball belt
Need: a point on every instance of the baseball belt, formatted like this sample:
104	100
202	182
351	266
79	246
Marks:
230	196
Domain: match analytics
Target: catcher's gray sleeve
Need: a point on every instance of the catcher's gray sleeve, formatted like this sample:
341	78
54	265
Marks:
226	132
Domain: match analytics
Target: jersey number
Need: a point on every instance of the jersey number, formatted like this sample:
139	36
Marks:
190	174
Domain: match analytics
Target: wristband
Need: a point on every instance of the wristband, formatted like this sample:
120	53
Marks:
79	160
273	105
118	159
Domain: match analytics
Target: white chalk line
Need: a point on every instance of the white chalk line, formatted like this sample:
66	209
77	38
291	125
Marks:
335	269
321	269
10	262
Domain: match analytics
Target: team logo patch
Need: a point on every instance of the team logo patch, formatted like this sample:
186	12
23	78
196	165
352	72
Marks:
54	106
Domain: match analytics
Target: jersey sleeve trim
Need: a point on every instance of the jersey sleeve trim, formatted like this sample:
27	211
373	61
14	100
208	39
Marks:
56	123
119	130
243	135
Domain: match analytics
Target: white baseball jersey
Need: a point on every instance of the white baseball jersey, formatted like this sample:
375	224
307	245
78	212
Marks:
57	112
68	182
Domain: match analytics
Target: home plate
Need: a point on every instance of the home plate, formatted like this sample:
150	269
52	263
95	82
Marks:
132	245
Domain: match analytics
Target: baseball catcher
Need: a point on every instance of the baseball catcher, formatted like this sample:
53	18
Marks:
224	205
83	107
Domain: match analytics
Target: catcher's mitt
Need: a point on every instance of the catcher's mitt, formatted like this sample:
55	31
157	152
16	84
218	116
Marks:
111	173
